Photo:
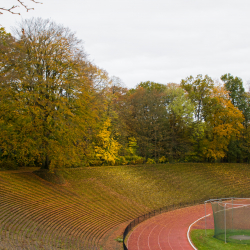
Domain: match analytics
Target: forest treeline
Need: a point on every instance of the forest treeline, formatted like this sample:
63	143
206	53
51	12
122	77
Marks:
58	109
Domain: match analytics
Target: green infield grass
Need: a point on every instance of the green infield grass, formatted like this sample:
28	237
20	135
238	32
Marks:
203	242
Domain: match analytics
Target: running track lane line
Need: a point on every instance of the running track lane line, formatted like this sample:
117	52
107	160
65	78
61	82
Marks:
188	232
149	236
140	236
161	232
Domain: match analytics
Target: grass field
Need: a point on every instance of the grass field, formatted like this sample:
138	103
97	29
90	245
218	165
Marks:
208	242
234	233
95	204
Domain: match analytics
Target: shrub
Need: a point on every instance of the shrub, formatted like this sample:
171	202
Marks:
163	159
121	161
150	161
135	160
8	164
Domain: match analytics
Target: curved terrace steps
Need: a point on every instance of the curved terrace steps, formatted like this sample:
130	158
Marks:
51	216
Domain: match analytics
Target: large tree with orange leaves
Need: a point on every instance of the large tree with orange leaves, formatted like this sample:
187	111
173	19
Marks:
223	121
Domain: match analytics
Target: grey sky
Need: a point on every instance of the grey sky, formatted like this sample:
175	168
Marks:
161	40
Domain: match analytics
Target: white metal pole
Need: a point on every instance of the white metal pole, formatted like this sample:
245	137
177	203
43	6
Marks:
232	213
205	220
225	208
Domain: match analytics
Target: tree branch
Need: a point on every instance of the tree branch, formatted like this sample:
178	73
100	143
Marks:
17	6
10	10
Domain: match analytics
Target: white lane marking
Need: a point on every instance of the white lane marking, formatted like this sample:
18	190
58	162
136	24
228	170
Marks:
168	239
135	228
140	235
179	241
168	221
149	236
190	242
159	237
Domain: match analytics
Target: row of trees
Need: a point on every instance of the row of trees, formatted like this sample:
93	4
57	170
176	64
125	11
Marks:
57	109
194	121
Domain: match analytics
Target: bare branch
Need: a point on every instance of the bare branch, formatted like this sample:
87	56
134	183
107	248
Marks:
10	10
36	1
17	6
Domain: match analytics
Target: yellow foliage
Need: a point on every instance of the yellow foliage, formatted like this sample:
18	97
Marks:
106	149
163	159
150	161
224	120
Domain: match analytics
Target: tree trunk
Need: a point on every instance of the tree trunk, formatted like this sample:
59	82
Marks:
46	163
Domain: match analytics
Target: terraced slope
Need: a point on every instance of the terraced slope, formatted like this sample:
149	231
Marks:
35	214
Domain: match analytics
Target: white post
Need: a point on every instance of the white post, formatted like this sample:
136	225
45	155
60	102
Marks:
232	213
225	208
205	220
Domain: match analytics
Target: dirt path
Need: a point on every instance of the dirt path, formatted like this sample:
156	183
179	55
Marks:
168	231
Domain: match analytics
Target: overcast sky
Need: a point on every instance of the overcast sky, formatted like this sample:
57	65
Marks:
162	40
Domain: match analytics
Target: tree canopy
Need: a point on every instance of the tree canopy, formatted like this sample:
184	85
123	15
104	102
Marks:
46	96
57	109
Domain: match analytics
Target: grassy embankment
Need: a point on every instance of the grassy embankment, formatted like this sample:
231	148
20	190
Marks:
89	208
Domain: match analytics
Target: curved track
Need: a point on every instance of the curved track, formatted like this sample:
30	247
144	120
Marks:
168	231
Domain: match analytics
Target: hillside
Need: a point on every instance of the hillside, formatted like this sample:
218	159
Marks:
95	204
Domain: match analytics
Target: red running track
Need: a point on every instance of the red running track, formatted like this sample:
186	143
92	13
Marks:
168	231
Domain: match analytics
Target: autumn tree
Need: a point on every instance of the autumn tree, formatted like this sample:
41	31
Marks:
240	99
106	146
47	107
223	121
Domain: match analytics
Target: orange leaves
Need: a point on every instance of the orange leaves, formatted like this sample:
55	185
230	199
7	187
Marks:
224	121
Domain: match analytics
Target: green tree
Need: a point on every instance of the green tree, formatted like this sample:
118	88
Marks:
160	117
144	114
236	90
179	122
199	90
47	107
